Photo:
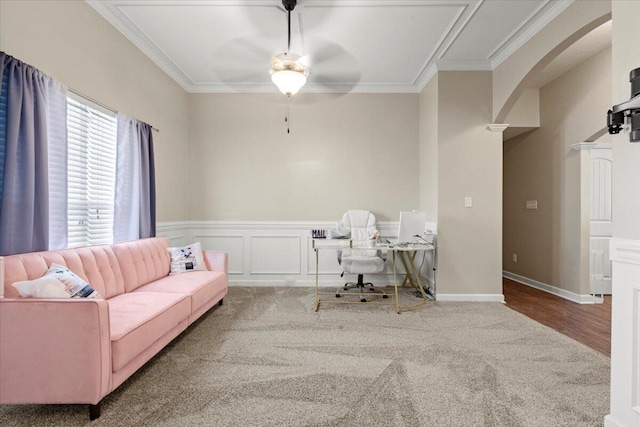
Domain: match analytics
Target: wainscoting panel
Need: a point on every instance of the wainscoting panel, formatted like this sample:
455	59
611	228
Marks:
276	254
177	233
327	260
625	334
280	253
231	244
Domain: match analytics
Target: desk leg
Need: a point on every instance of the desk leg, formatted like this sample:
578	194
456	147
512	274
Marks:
407	275
395	281
317	296
407	270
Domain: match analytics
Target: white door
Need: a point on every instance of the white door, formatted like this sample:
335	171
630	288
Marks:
600	229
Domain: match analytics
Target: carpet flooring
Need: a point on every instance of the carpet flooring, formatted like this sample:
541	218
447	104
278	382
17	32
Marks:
265	358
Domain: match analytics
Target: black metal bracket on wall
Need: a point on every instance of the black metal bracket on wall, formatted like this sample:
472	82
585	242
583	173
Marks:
631	109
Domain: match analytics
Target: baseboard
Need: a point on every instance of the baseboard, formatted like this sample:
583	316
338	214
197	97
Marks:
571	296
470	297
609	421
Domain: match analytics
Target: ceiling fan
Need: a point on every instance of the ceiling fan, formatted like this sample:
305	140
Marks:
322	65
287	71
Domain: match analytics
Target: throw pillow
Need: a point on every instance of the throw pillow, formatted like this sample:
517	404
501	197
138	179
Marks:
44	287
74	285
187	259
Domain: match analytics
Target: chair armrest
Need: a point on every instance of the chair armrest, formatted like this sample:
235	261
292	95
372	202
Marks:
54	350
216	261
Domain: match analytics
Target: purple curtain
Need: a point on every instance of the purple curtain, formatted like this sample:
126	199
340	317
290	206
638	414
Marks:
24	206
135	201
147	182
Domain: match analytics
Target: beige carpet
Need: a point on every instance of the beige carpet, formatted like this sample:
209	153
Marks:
265	358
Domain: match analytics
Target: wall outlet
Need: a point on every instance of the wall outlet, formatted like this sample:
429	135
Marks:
290	281
514	257
532	204
468	202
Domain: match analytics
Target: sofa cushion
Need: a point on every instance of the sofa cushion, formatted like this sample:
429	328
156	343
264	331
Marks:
138	319
201	285
96	265
142	261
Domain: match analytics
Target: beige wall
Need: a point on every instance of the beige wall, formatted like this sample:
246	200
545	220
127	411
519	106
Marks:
469	165
72	43
526	110
551	242
429	150
358	151
510	78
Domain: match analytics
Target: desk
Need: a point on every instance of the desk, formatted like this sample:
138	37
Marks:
406	254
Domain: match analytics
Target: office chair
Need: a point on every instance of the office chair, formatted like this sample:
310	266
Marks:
359	225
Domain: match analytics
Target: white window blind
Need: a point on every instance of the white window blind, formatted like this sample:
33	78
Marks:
91	173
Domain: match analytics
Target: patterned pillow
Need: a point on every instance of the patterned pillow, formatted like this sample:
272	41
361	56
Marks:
58	282
44	287
187	259
74	285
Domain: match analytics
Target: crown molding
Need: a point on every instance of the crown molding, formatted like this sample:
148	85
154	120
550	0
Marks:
110	12
452	65
308	88
527	30
463	15
424	80
462	27
428	63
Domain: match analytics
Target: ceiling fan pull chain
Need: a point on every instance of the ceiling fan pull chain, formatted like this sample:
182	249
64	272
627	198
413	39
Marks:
286	117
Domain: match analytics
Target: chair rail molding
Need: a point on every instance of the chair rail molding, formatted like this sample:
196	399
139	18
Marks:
624	250
579	146
497	127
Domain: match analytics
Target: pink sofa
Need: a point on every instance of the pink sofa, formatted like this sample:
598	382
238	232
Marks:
80	350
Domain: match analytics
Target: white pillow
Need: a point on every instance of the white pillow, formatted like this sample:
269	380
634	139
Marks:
74	285
44	287
187	259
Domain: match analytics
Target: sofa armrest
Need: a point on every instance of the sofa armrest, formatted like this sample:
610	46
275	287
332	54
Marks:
216	261
54	350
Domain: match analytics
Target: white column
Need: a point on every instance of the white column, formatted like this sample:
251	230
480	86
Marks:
625	245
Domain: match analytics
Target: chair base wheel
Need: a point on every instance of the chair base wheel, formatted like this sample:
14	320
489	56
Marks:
385	296
338	295
363	300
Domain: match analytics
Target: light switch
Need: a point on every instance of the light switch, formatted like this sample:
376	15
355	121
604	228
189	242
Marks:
468	202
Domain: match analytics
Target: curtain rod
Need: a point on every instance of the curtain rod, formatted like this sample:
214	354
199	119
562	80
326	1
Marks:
88	98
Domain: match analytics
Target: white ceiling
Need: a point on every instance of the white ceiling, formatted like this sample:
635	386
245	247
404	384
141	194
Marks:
351	45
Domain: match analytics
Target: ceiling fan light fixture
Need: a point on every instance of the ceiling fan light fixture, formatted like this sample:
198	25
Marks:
288	73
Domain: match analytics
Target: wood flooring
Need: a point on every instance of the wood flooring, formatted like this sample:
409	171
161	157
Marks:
589	324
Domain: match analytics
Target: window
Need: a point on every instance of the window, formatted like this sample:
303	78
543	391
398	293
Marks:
91	173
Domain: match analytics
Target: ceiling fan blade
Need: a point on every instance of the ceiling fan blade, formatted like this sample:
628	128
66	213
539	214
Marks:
243	62
246	79
342	83
320	51
245	50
